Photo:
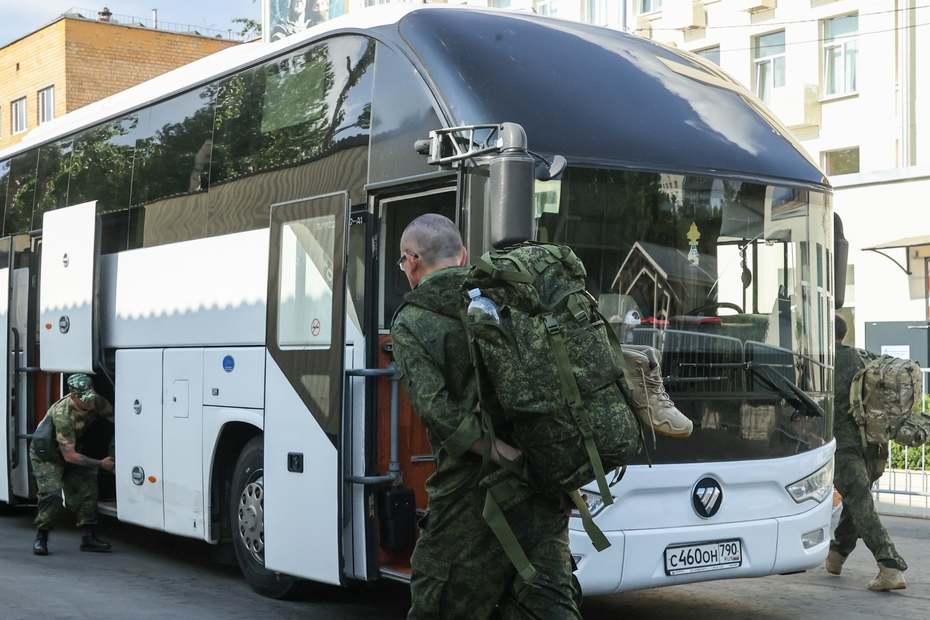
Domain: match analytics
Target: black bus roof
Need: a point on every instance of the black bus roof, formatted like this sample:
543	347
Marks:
591	93
588	93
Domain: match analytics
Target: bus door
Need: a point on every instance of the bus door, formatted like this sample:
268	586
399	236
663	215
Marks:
304	387
52	280
7	431
20	393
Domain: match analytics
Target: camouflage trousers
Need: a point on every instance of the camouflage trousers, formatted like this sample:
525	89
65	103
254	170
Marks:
460	570
854	474
79	485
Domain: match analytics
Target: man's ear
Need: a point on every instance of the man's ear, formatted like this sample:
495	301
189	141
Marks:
463	259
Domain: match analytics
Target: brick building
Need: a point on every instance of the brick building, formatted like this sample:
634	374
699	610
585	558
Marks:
74	61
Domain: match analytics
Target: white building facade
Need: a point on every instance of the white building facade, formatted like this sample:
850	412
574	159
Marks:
849	79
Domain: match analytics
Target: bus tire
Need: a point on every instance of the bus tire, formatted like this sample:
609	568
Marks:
247	519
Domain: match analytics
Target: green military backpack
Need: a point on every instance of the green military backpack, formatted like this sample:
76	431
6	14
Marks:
548	363
882	400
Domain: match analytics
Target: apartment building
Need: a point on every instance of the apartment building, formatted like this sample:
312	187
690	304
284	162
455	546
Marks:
82	57
849	79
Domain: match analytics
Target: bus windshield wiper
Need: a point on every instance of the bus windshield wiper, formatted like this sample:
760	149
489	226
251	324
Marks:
797	398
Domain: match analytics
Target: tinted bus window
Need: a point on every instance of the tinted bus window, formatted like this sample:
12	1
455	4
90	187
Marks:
52	179
21	191
173	146
293	109
101	167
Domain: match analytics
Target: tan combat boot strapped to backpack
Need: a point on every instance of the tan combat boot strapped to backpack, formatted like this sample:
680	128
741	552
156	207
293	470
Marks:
650	400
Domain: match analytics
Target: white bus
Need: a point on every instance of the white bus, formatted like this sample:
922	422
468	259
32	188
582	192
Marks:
218	246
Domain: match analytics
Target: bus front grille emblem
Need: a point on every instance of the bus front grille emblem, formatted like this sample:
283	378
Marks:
706	497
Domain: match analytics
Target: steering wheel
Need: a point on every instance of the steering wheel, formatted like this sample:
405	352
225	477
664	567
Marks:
714	305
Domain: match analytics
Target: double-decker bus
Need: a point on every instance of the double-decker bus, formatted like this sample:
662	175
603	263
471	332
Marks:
218	246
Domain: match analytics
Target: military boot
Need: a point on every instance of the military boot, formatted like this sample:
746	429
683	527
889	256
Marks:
650	400
40	547
834	563
90	542
887	579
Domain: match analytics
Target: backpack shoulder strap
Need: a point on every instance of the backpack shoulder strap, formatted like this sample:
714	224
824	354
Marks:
865	355
523	276
856	396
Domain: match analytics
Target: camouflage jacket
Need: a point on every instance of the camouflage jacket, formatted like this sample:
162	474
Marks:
431	351
845	429
70	421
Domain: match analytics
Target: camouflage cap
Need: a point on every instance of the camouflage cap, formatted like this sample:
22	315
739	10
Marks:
82	387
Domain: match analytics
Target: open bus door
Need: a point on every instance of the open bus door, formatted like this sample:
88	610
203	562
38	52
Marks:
304	388
7	432
25	393
23	269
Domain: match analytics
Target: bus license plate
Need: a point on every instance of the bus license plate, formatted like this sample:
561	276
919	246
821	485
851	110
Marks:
718	555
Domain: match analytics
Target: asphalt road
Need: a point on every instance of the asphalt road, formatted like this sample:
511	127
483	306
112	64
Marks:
155	576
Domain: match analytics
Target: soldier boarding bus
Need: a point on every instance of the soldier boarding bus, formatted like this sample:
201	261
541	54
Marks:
217	247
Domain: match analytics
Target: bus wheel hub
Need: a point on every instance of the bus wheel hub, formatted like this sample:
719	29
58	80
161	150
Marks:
252	518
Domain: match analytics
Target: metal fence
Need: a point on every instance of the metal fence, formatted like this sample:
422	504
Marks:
904	490
153	23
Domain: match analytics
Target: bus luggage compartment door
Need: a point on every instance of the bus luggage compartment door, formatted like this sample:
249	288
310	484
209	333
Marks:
138	420
67	289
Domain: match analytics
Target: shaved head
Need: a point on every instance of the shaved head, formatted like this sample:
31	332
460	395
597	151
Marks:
435	238
430	243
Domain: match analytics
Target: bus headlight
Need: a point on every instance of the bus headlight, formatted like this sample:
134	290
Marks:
817	486
595	504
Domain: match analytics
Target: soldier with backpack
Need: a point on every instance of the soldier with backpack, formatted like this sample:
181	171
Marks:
857	467
460	569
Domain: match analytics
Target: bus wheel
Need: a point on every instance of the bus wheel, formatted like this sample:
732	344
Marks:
248	523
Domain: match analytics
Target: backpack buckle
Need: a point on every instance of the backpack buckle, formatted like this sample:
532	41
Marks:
552	326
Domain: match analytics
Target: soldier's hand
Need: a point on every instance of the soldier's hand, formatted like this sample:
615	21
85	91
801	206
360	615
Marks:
108	464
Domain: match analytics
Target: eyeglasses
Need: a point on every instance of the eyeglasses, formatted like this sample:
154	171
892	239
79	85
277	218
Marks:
403	259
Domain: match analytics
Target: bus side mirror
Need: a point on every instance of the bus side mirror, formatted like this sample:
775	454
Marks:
840	261
512	173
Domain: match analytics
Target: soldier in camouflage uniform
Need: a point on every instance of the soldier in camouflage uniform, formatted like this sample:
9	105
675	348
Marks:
460	570
69	470
856	469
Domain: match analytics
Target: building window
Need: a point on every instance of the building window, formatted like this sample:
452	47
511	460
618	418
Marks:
840	49
547	7
46	104
770	64
596	12
19	115
501	4
711	53
648	6
843	161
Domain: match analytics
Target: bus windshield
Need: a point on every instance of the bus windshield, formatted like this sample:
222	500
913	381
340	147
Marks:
731	280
